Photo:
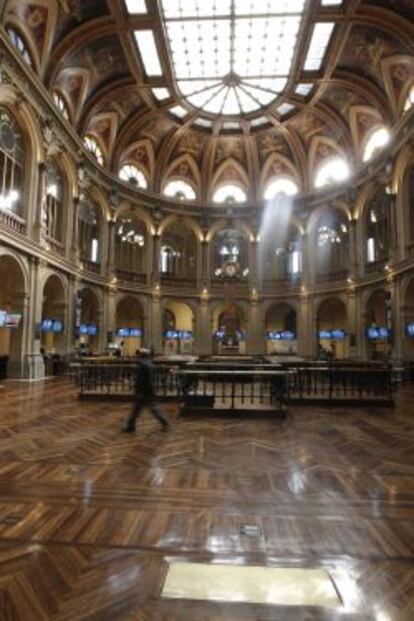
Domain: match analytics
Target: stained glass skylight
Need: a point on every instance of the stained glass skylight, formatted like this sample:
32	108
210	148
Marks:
232	57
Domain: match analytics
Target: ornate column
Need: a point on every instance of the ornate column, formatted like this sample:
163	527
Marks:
34	367
39	216
352	323
203	337
306	271
394	318
75	250
111	266
353	262
255	341
304	325
156	248
156	322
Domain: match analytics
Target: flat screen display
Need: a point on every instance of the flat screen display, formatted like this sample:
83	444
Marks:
57	326
47	325
409	328
83	329
171	334
338	335
3	315
135	333
92	330
123	332
325	334
13	320
184	335
376	334
219	335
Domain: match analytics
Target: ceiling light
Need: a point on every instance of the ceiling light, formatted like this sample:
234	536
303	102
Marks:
149	53
303	89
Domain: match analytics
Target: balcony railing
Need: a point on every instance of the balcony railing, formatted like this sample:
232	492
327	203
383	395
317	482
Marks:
376	266
176	282
55	245
334	276
91	266
271	285
12	221
130	276
238	286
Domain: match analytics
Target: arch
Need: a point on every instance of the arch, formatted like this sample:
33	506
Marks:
26	118
53	326
130	173
377	316
183	168
322	150
138	212
278	165
141	153
320	212
14	288
362	120
178	324
281	328
332	328
231	171
280	185
93	145
189	223
22	40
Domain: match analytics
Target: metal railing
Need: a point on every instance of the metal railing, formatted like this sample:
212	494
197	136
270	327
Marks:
239	384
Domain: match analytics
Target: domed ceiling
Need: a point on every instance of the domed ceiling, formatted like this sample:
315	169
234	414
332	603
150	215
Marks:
223	91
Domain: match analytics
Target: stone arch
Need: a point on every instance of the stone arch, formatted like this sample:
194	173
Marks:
230	171
278	165
141	154
183	168
331	314
14	278
54	309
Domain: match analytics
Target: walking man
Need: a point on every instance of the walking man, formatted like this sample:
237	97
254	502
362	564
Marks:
144	395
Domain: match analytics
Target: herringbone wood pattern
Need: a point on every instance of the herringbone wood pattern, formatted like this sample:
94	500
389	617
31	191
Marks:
89	516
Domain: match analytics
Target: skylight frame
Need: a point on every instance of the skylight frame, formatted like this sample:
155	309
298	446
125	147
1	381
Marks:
245	74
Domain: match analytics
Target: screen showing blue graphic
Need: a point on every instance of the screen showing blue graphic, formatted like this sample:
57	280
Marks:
285	335
410	329
92	330
57	326
47	325
170	334
332	335
378	334
3	315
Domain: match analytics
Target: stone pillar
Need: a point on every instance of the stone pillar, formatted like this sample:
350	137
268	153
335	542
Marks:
255	342
205	264
353	263
203	336
39	216
303	326
253	263
110	264
306	271
395	320
34	367
353	334
21	304
104	247
156	323
156	249
74	244
69	318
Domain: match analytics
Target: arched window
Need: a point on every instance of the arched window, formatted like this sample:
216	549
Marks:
130	245
11	163
377	223
61	105
333	171
20	44
284	258
376	141
179	189
332	244
409	102
178	256
89	230
229	193
94	148
54	206
280	185
131	174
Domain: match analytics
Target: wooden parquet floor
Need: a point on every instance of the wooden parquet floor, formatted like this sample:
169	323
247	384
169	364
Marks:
90	516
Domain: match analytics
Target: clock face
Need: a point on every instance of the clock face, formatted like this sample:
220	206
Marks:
230	269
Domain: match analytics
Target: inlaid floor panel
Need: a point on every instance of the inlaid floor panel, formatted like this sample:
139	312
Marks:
90	516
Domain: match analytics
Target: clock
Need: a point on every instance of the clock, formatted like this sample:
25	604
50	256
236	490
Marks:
230	269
